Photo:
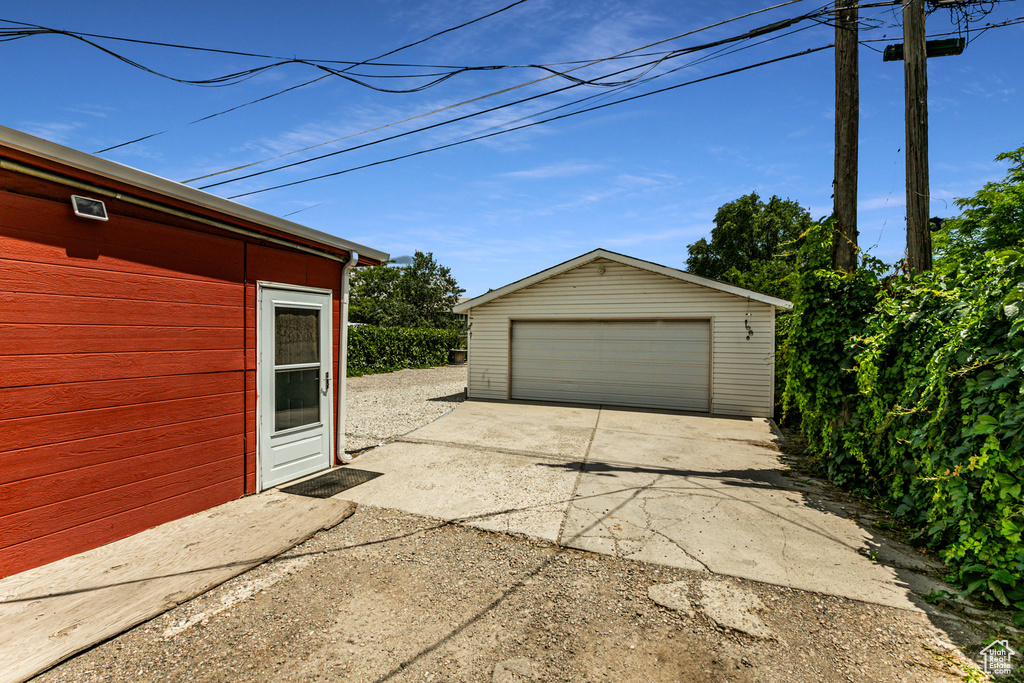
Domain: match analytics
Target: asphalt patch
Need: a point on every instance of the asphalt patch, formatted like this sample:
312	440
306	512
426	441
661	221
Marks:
335	481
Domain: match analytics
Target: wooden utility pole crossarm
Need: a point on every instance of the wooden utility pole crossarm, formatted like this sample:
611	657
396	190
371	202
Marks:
844	236
919	239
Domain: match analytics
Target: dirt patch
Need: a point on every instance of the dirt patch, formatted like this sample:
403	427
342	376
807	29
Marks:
388	596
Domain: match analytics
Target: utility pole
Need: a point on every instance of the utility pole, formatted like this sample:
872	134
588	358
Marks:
844	235
915	74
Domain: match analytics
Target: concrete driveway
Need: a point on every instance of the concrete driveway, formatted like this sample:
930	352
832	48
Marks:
697	492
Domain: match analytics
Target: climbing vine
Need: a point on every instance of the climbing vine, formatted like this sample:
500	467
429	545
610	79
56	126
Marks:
911	389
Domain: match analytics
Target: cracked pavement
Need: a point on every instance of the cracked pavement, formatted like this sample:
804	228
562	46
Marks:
697	492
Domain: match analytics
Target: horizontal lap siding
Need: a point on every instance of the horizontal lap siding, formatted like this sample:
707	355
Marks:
742	368
643	363
122	377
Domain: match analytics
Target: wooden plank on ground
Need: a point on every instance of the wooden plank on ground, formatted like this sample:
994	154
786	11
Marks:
93	596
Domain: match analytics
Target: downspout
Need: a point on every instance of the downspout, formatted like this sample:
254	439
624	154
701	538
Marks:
343	457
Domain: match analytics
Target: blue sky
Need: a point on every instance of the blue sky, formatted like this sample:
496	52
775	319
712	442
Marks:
644	178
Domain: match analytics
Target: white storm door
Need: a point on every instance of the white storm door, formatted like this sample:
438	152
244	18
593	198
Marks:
294	384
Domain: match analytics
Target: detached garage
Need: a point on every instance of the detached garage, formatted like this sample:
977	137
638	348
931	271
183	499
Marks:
609	329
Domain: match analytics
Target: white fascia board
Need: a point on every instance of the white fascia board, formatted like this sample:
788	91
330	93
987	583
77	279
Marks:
625	260
173	190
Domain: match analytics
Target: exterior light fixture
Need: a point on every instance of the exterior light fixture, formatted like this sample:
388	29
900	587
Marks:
89	208
935	223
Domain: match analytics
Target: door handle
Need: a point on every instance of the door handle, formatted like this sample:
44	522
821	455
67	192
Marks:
327	381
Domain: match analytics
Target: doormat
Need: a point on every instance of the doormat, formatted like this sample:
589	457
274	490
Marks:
335	481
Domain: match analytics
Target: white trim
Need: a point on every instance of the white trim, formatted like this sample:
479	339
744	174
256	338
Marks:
295	288
168	188
261	287
628	261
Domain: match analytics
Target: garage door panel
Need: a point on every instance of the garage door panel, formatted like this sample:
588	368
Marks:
658	364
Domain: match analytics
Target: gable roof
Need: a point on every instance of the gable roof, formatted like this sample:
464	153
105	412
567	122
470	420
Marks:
20	147
628	261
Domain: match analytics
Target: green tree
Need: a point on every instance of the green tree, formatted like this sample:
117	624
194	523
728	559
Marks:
992	220
748	244
420	294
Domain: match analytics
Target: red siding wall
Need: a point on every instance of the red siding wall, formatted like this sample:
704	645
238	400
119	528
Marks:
127	372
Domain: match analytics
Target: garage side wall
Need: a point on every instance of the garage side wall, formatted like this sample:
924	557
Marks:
742	368
127	370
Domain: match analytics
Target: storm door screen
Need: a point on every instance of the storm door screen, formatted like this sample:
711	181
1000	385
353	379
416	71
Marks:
296	367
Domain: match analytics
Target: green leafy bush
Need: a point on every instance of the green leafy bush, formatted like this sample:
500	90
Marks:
911	389
829	308
385	349
937	427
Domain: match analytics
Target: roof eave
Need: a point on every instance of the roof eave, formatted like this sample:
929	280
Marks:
625	260
80	161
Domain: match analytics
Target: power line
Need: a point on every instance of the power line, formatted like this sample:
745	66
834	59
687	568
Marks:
536	123
244	75
1009	22
237	77
447	30
763	30
436	125
302	85
220	113
605	95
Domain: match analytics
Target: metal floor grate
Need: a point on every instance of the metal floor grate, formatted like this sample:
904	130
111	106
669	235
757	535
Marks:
335	481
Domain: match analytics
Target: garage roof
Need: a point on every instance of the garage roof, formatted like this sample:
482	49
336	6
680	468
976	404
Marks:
67	158
625	260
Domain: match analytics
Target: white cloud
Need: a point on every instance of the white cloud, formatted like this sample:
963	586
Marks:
675	235
54	131
561	170
95	110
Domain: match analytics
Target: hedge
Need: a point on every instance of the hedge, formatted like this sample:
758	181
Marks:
910	390
386	349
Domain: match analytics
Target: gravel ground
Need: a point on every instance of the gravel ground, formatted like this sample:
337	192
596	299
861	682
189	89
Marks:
381	407
389	596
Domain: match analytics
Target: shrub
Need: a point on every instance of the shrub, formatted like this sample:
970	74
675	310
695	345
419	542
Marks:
385	349
911	389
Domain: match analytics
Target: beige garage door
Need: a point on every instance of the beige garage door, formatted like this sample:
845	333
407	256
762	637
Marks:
650	363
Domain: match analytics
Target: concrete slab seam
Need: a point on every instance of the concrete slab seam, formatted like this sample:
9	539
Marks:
579	475
533	455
